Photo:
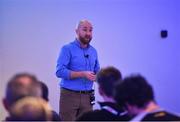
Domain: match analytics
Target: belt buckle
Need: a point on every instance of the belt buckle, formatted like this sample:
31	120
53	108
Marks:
83	92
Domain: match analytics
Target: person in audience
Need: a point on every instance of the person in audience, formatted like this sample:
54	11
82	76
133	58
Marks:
137	96
20	86
45	94
106	79
31	109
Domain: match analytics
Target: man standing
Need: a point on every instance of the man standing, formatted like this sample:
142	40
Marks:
77	66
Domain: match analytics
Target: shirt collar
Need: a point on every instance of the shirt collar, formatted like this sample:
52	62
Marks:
77	42
112	105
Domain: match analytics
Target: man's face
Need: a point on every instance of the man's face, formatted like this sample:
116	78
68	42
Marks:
84	32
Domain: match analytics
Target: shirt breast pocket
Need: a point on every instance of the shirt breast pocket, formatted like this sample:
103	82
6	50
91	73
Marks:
77	62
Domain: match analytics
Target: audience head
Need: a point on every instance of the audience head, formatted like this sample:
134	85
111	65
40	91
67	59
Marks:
30	109
45	91
106	79
134	93
19	86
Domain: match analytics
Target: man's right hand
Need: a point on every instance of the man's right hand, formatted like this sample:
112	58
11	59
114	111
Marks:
83	74
89	75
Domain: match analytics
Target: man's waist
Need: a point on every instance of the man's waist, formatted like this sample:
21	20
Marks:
78	91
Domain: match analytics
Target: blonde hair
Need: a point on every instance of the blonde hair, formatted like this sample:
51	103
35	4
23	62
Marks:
31	108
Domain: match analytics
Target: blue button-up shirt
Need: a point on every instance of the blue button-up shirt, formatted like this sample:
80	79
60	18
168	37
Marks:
73	57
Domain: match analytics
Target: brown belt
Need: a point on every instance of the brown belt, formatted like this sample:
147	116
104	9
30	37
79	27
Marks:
82	92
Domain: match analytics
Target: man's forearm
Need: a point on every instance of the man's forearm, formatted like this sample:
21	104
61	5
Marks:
75	74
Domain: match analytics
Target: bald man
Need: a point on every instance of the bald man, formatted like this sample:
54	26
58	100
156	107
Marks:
77	66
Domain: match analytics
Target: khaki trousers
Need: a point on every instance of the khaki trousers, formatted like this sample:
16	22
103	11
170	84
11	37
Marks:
73	104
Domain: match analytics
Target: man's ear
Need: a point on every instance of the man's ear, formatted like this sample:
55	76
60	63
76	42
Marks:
132	110
128	107
100	91
5	103
76	31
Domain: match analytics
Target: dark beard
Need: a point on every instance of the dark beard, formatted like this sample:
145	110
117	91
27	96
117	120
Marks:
84	41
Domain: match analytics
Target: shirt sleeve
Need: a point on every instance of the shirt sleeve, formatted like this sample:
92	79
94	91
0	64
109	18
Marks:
97	66
64	58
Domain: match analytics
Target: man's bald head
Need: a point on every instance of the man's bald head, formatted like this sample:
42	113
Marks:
84	31
82	23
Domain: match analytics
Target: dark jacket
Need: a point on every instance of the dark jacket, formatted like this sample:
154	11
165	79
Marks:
161	116
108	112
